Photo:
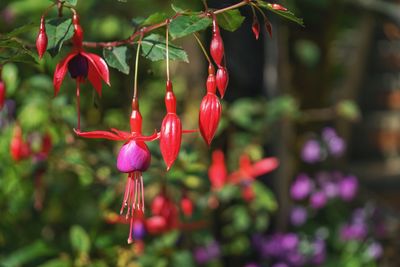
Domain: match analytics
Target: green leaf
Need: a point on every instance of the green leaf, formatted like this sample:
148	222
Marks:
27	254
79	239
154	48
58	31
118	58
70	2
155	18
56	263
185	25
19	30
230	20
285	14
177	9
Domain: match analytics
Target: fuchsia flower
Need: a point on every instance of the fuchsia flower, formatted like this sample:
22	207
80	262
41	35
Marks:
133	158
81	65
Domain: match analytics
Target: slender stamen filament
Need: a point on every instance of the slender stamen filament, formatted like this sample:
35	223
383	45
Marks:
135	89
133	199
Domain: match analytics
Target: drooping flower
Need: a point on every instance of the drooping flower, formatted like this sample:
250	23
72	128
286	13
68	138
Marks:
41	39
19	148
186	206
134	159
171	129
210	109
217	172
81	65
217	45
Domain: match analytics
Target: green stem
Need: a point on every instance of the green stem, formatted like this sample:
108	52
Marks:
135	87
202	47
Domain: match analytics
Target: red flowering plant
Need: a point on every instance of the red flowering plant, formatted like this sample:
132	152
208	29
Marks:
80	64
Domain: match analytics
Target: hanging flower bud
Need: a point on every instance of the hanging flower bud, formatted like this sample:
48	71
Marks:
156	224
268	26
158	204
41	40
210	110
2	93
255	27
218	172
248	193
77	39
222	80
187	206
171	129
19	149
217	45
278	7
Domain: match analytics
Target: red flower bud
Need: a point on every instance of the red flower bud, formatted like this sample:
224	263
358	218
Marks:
210	110
256	28
41	40
77	39
171	130
222	79
187	206
156	224
2	94
218	172
19	149
278	7
46	144
268	27
217	45
248	193
158	204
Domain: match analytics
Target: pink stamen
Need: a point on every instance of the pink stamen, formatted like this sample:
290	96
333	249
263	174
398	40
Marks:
130	239
141	185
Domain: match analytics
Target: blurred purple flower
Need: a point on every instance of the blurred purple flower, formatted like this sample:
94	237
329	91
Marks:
319	255
336	146
298	215
272	246
290	241
138	230
318	200
201	255
301	187
205	254
280	264
252	264
330	189
295	258
311	151
348	188
328	133
356	231
375	250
